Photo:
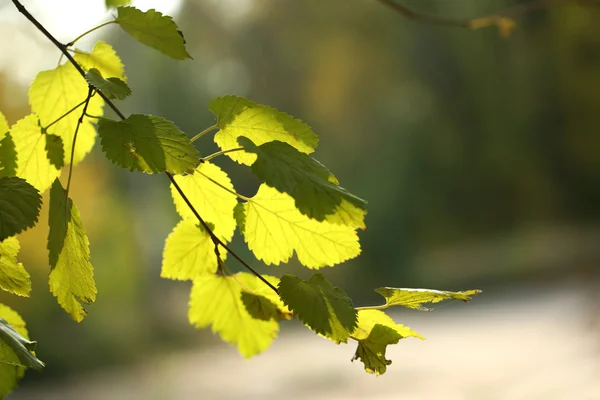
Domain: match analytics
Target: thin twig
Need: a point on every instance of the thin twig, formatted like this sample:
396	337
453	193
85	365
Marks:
204	132
220	153
79	122
64	115
72	42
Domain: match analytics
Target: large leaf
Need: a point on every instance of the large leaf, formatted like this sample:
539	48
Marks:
324	308
374	332
113	88
415	298
314	189
237	116
210	191
72	277
189	252
103	58
8	152
13	277
216	301
20	205
14	361
30	145
147	143
274	229
153	29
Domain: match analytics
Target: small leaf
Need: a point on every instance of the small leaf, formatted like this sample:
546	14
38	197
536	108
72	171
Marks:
189	252
147	143
13	277
153	29
415	298
30	145
237	116
72	276
15	348
216	301
20	205
312	186
210	191
324	308
116	3
274	229
8	151
55	150
113	88
103	58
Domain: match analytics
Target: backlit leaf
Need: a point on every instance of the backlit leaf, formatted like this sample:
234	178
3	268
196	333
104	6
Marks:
116	3
13	277
237	116
314	189
30	145
153	29
20	205
189	252
274	229
72	277
148	144
113	88
204	189
103	58
324	308
415	298
216	301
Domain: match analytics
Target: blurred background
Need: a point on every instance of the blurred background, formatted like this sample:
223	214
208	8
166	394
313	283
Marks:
479	156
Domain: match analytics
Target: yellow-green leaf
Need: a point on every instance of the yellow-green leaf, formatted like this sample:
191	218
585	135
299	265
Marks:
30	145
189	252
13	277
415	298
205	190
116	3
324	308
216	301
8	153
20	205
104	58
274	229
53	94
237	116
72	277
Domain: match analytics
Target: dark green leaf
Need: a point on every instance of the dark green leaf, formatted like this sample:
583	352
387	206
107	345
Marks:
8	156
55	150
113	88
15	349
19	206
259	307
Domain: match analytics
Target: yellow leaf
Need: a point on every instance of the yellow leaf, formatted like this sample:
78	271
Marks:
32	159
13	277
214	204
274	228
367	319
103	58
216	301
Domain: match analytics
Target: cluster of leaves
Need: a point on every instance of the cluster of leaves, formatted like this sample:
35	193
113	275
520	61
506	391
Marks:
299	208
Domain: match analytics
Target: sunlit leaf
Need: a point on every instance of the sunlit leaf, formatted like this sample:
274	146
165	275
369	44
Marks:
204	188
216	301
237	116
20	205
116	3
274	229
324	308
113	88
153	29
13	277
72	277
314	189
30	145
415	298
148	144
103	58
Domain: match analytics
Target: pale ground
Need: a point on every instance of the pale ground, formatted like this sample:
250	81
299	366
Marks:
526	343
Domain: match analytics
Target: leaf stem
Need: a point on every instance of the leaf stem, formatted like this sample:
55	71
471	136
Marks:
381	307
79	122
220	153
225	188
204	132
72	42
64	115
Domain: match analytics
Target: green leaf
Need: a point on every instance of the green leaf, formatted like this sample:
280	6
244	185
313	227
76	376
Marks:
259	307
415	298
237	116
8	151
216	301
189	252
113	88
274	229
210	191
374	332
55	151
324	308
153	29
13	277
15	349
72	277
20	205
116	3
312	186
103	58
30	145
147	143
